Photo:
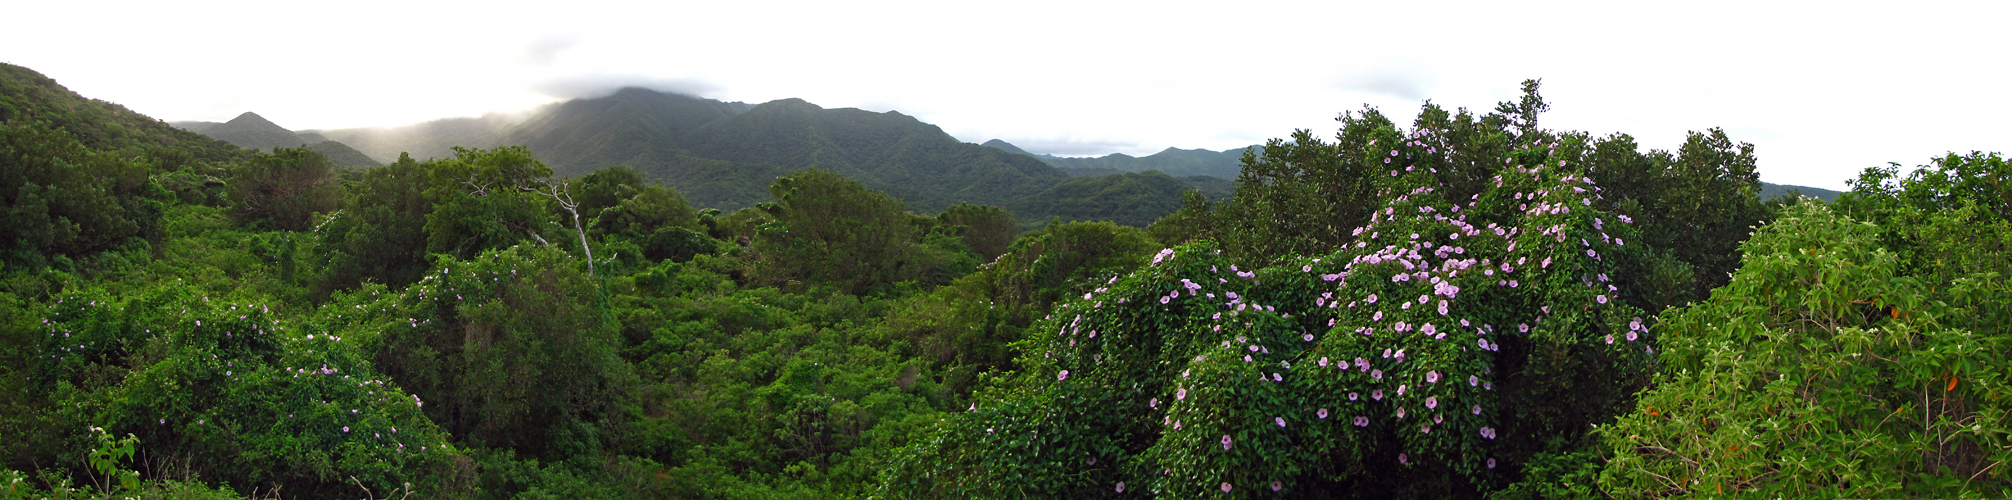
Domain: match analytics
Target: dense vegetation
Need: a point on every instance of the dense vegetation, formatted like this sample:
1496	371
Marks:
1468	306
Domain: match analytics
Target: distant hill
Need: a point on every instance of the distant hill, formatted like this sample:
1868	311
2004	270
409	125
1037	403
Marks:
1171	161
427	140
891	152
1772	191
28	95
1132	199
251	131
342	155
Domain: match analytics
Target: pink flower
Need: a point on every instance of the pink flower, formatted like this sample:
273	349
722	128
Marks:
1181	394
1477	409
1275	485
1322	413
1402	458
1631	336
1226	442
1062	376
1376	394
1473	380
1432	377
1432	402
1601	299
1351	396
1121	487
1279	420
1362	421
1226	487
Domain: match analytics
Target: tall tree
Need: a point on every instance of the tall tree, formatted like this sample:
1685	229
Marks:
833	230
285	189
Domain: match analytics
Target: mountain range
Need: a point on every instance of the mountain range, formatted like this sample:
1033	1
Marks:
724	155
251	131
1171	161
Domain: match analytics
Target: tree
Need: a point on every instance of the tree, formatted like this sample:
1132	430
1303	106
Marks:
832	230
59	199
988	230
285	189
481	203
1827	368
509	350
381	235
1453	341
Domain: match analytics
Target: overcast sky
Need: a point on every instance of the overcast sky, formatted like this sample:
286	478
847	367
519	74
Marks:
1822	89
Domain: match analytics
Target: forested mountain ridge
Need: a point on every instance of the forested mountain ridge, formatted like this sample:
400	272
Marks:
1470	306
28	95
889	151
247	130
251	131
1171	161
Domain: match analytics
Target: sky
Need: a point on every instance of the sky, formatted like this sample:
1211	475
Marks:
1823	90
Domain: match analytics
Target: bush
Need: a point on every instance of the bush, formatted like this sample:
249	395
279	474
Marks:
1389	367
1823	369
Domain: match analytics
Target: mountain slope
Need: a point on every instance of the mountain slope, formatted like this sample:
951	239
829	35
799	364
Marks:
1132	199
633	125
1771	191
1171	161
342	155
251	131
28	95
666	135
425	140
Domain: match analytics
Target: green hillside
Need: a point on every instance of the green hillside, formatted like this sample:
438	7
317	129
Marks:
342	155
1771	191
1467	307
425	140
1172	161
251	131
1132	199
892	152
27	95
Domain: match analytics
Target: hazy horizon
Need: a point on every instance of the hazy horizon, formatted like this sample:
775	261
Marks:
1810	88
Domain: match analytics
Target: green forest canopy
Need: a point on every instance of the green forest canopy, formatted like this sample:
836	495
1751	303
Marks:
1470	305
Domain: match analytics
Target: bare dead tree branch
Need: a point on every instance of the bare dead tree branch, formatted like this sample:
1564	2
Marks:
556	190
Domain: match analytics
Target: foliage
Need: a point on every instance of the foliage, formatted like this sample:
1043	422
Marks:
1302	196
381	234
987	230
481	201
1828	368
286	188
27	96
510	347
230	388
59	199
827	229
1172	380
1132	199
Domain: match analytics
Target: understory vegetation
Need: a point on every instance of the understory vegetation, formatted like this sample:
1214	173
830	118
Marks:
1470	305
